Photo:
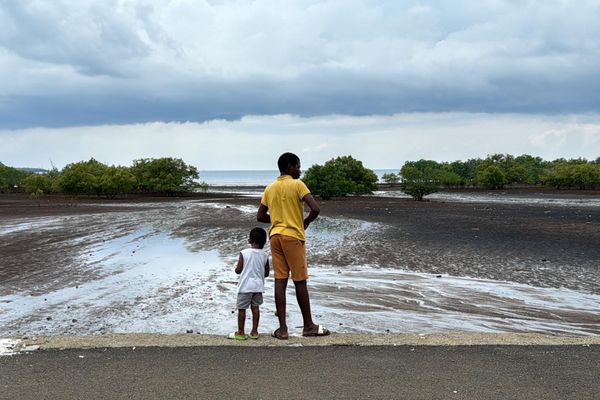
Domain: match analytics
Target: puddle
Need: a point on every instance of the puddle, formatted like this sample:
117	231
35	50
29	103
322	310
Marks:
146	274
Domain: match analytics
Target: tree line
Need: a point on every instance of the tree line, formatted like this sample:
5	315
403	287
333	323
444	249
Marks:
343	176
497	171
165	176
340	176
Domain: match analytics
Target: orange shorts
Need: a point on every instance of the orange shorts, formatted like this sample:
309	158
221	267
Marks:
289	255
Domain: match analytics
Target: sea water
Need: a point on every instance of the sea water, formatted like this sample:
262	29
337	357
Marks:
254	177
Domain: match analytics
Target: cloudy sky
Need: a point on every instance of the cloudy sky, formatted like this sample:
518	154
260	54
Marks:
231	84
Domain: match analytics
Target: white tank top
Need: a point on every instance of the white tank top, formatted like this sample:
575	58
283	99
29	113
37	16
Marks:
252	278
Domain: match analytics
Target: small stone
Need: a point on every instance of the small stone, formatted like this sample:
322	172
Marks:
189	331
73	320
439	276
48	318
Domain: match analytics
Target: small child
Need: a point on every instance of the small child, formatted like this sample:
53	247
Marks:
253	267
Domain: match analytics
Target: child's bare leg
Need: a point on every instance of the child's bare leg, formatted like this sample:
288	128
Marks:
280	305
304	303
255	319
241	322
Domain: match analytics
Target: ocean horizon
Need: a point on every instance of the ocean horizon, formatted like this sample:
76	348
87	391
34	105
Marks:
254	177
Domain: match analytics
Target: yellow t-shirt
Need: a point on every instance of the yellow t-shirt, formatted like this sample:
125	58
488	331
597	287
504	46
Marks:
283	198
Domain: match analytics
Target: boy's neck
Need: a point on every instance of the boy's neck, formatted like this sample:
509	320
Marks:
255	246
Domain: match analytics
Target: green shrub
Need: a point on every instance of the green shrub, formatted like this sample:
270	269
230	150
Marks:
340	177
491	177
164	175
420	178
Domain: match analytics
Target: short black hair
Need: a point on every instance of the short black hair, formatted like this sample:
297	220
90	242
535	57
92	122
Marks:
287	160
258	236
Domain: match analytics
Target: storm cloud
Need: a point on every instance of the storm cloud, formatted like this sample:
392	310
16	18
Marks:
66	63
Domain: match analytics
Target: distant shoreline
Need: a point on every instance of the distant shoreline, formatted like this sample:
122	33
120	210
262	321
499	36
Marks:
221	191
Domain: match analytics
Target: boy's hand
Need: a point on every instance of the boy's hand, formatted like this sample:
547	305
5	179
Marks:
240	264
314	210
262	214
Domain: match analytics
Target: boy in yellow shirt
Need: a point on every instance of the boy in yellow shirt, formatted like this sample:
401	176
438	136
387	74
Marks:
282	206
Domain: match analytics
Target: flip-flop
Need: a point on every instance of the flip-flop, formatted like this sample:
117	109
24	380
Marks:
253	337
276	335
235	336
321	331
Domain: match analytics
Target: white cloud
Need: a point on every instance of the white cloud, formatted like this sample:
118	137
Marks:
255	142
550	138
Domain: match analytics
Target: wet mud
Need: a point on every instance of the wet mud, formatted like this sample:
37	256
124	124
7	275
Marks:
378	264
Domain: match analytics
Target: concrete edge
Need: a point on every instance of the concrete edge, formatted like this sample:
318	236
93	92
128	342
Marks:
335	339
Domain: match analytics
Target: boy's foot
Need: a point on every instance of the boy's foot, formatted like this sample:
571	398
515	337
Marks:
252	336
277	335
235	336
318	330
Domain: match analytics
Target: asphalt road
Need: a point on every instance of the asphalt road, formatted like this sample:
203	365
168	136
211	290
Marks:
328	372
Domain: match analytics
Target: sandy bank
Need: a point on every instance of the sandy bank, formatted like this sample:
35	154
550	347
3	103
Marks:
336	339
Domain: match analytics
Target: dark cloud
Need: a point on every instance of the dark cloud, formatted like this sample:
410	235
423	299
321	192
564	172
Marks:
115	63
304	98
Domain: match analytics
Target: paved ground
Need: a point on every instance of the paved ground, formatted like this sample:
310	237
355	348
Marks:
300	372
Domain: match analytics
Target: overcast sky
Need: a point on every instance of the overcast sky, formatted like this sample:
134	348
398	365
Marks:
231	84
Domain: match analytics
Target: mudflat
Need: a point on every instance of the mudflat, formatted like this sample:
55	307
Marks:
375	262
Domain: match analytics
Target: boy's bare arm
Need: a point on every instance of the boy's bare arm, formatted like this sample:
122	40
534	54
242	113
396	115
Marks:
240	265
314	209
267	268
262	214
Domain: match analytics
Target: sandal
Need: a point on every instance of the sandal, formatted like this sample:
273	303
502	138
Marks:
276	335
235	336
321	331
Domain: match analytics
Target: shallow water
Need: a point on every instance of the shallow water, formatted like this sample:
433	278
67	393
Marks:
505	198
135	275
568	199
